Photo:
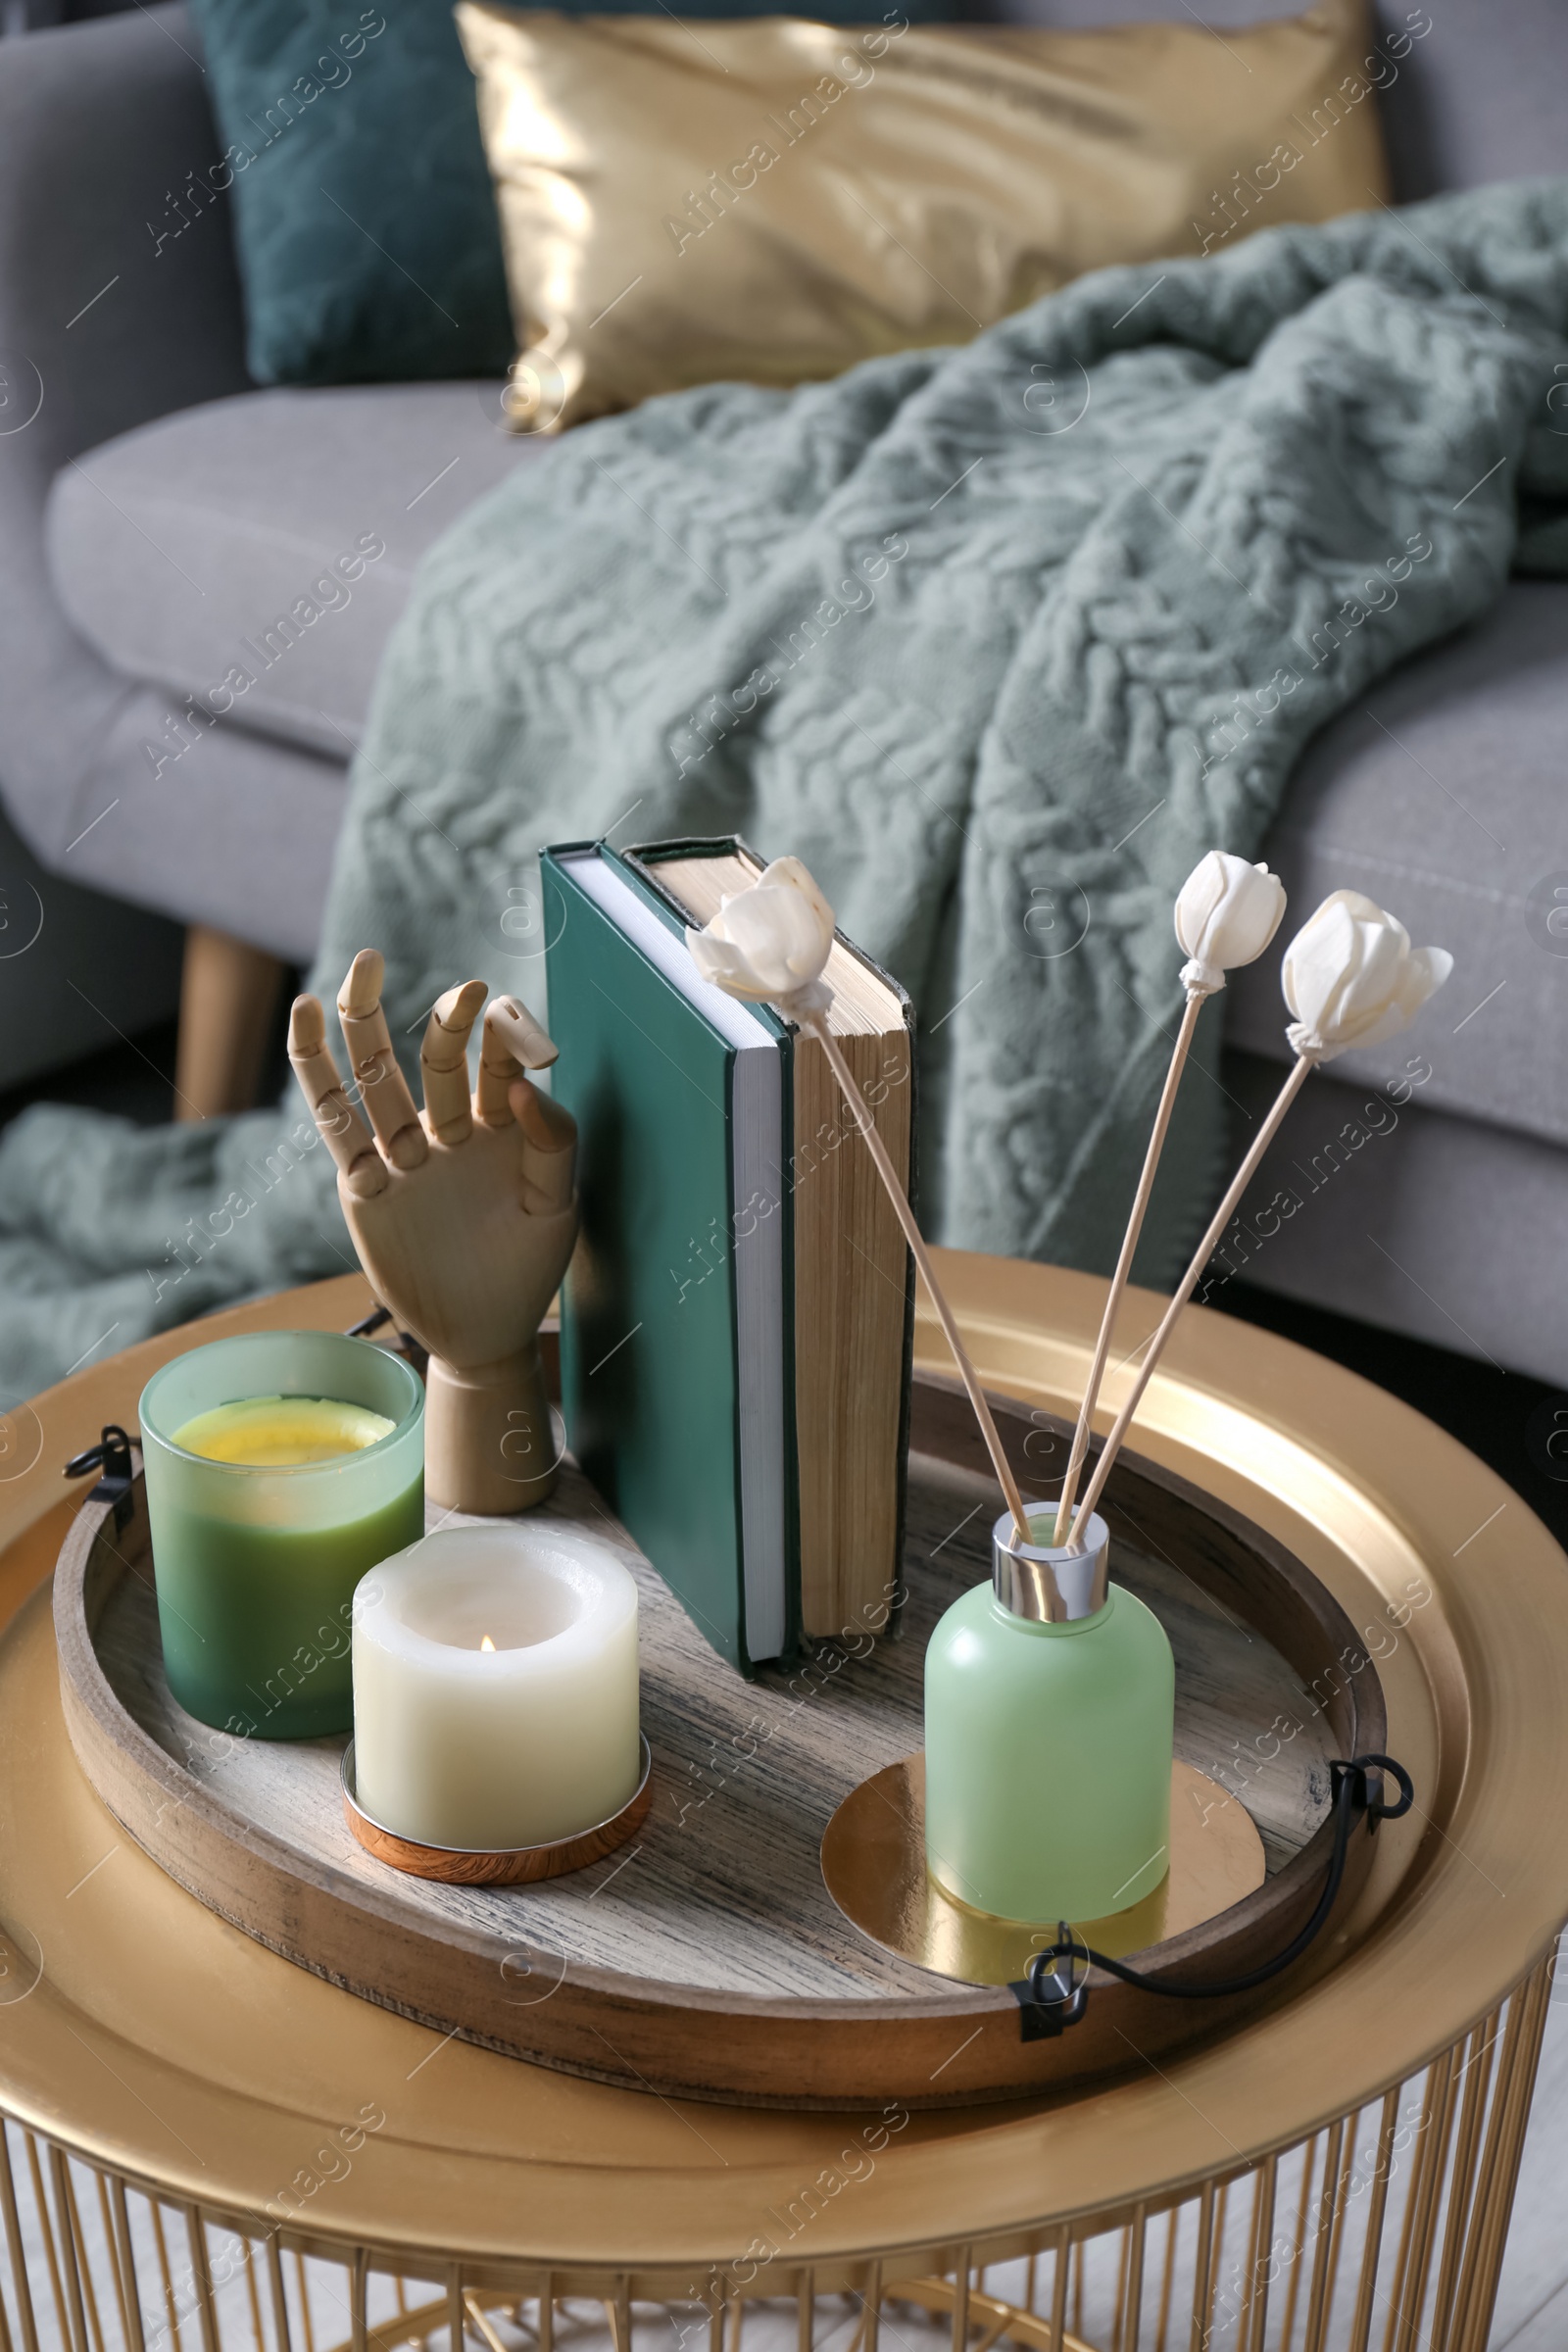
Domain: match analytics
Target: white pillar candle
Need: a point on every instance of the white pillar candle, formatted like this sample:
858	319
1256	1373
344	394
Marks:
494	1688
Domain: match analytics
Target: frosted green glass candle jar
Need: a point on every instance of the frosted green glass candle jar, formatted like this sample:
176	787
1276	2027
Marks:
256	1560
1049	1724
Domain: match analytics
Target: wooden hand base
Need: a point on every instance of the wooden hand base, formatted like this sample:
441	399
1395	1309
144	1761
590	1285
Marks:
489	1445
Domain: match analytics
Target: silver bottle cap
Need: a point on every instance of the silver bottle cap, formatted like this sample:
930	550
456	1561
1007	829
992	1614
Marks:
1047	1582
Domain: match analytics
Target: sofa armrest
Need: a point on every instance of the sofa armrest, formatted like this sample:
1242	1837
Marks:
118	302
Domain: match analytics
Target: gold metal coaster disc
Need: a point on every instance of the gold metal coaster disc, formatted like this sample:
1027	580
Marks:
874	1865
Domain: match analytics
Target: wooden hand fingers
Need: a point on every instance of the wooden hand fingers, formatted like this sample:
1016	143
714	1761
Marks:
444	1062
345	1136
513	1042
382	1085
549	1148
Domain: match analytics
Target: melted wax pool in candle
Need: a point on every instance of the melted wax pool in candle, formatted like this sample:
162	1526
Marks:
276	1432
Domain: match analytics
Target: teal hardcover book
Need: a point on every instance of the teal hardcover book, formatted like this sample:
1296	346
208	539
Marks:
677	1357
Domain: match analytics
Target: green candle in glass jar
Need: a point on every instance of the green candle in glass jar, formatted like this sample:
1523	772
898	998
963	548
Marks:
280	1467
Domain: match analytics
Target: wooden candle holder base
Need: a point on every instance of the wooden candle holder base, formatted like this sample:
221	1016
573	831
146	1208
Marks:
482	1866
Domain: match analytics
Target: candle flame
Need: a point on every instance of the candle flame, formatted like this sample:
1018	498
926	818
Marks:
485	1642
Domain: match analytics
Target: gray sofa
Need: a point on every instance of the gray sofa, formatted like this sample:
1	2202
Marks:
163	524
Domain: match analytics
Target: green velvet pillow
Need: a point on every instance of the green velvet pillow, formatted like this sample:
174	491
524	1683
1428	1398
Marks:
369	245
366	230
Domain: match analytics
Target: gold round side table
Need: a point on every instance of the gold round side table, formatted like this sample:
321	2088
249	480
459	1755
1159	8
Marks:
202	2135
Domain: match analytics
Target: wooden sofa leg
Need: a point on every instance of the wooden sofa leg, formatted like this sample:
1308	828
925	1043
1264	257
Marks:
227	997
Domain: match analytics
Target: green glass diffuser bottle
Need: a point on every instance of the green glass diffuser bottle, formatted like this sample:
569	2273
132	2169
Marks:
1050	1698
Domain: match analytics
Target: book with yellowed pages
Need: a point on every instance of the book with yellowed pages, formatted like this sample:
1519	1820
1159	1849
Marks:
737	1323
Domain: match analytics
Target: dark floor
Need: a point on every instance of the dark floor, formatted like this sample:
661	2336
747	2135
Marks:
135	1078
1511	1421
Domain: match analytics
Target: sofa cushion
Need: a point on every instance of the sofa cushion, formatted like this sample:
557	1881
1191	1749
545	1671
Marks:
254	554
363	216
1012	159
1467	90
1440	795
363	219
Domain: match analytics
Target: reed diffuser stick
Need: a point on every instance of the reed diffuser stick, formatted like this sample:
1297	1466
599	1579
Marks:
1205	1251
1226	912
1118	1280
815	1025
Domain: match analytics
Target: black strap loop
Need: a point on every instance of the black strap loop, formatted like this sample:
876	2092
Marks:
1045	1994
111	1457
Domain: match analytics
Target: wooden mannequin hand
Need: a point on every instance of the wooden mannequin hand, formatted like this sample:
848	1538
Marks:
464	1219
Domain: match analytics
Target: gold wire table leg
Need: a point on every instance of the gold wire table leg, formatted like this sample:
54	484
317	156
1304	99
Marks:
1254	2313
1136	2235
1298	2245
135	2338
961	2300
1427	2197
1221	2210
1328	2207
1197	2336
477	2312
1366	2287
252	2256
1122	2291
358	2287
1167	2276
1401	2260
19	2256
307	2321
68	2252
81	2257
47	2232
274	2274
1500	2172
1059	2289
1341	2214
202	2272
112	2247
1476	2073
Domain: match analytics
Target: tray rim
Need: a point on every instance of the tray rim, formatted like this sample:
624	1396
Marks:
172	1792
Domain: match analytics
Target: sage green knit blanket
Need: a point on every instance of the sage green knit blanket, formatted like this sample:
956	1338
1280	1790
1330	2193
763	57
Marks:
997	639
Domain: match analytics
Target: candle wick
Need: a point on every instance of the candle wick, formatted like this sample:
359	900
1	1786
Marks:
485	1642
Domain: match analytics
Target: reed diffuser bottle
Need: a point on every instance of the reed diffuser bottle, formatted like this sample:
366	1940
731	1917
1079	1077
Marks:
1050	1707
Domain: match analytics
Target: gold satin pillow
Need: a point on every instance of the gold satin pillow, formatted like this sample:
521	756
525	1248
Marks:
772	200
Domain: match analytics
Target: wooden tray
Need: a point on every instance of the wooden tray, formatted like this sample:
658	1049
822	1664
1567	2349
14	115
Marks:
706	1958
